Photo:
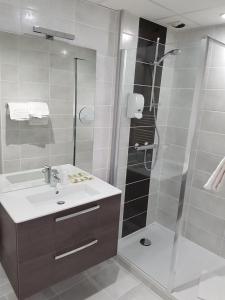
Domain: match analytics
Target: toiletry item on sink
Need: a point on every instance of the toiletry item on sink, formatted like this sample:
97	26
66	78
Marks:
79	177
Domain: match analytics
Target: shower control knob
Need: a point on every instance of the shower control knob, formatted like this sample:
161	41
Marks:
136	145
146	143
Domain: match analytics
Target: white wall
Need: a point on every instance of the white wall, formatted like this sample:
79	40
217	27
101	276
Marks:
95	27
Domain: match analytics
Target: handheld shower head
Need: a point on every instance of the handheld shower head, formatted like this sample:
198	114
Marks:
171	52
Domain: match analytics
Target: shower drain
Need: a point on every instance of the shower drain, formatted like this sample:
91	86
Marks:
145	242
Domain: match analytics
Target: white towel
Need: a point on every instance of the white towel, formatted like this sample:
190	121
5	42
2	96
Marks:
38	109
18	111
211	286
38	121
216	180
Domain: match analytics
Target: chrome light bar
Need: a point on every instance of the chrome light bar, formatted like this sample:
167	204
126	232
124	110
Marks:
50	34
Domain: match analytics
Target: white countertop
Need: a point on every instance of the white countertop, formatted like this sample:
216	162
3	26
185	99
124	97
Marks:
21	209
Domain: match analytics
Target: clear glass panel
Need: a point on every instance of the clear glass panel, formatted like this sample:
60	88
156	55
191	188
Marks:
85	112
151	196
200	267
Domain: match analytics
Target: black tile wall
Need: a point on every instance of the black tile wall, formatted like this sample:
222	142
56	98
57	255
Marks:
146	120
151	31
137	157
141	135
137	189
133	224
135	207
144	74
137	173
143	130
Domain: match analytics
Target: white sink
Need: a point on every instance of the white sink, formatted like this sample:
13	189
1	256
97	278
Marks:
67	195
35	202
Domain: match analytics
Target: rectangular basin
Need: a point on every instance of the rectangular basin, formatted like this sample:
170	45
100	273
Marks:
66	195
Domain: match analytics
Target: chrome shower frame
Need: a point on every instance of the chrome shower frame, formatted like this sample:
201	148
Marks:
154	73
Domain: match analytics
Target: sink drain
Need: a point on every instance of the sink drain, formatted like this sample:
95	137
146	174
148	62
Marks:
61	202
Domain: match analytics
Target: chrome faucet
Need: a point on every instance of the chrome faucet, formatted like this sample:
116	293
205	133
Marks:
51	176
54	178
47	173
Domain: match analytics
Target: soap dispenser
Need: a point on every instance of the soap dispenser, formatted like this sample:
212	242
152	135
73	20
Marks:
135	106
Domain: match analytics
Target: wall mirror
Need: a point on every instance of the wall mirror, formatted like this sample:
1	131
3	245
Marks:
37	70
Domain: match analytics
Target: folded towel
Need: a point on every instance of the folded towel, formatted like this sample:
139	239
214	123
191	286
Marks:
216	180
18	111
211	286
38	109
38	121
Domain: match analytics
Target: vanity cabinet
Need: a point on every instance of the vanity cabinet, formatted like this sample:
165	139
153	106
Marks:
38	253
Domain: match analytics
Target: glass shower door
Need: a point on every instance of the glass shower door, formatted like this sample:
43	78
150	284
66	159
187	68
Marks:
151	195
200	260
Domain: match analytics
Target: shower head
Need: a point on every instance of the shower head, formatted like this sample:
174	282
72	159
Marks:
171	52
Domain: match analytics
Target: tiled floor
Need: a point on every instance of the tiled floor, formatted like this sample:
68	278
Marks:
107	281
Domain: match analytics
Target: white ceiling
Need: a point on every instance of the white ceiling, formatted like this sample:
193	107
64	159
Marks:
194	13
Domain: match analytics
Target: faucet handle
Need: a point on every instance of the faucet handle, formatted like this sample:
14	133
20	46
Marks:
55	171
46	169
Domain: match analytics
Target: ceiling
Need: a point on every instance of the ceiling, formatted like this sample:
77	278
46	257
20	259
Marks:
194	13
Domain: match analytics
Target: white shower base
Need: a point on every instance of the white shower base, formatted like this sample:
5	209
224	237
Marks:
155	260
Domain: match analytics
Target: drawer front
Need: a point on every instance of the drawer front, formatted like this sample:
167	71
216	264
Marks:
51	269
76	226
66	230
35	275
35	238
82	224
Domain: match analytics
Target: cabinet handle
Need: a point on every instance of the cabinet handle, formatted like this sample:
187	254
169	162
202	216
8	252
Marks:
76	250
77	213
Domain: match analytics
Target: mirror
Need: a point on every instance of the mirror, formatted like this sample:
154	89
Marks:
37	70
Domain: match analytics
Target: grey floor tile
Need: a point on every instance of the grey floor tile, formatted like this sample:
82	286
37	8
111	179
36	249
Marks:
5	289
114	280
141	292
106	281
84	290
67	283
11	296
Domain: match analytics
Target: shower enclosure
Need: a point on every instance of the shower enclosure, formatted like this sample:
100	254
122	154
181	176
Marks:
166	203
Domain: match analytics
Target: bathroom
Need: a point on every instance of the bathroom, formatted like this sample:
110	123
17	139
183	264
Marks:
112	111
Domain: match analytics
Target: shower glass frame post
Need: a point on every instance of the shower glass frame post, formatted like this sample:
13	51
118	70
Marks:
117	116
186	164
75	111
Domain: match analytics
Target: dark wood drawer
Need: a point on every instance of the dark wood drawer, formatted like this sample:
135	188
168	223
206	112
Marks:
84	223
35	238
42	272
76	226
41	252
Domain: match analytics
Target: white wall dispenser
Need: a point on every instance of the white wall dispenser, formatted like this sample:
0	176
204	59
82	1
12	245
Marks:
135	106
